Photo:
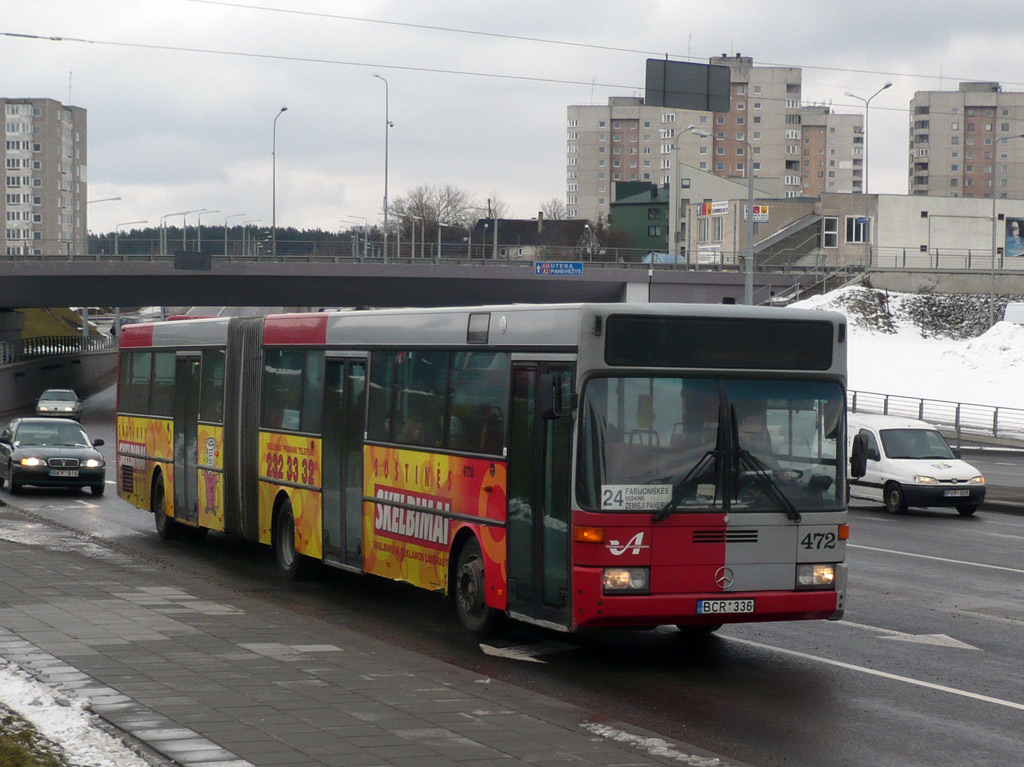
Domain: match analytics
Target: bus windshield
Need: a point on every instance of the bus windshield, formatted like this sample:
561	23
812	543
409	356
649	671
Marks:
664	444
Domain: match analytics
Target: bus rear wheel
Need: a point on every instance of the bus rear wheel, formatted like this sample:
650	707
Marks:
471	591
166	528
289	561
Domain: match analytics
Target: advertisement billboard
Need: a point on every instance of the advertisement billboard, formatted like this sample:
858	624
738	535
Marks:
1014	245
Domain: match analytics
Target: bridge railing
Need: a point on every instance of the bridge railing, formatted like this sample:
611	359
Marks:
48	346
1002	425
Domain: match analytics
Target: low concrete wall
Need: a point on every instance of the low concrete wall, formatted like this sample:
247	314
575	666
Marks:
21	383
936	281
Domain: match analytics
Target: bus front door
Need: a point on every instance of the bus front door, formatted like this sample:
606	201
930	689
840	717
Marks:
187	370
344	413
538	501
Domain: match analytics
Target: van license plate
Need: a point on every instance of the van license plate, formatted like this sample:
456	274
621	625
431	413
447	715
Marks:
718	606
63	472
956	493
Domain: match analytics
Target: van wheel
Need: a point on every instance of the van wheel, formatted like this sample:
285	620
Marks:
966	509
895	498
470	592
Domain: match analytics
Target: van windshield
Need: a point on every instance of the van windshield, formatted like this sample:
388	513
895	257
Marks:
915	443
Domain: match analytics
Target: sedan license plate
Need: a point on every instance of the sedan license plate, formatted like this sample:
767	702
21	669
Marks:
956	493
63	472
718	606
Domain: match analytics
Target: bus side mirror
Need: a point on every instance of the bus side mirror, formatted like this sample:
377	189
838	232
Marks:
550	401
859	457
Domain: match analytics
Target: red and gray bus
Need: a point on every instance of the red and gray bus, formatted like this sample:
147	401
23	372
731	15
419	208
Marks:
572	466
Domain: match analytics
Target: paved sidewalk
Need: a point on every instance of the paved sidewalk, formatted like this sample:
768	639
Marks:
208	677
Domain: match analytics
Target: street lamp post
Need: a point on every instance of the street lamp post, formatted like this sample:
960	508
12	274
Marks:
867	211
226	219
388	125
366	235
423	234
163	230
246	237
184	228
995	249
273	183
199	229
126	223
673	194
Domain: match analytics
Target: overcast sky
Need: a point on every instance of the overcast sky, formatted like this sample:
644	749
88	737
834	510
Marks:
182	94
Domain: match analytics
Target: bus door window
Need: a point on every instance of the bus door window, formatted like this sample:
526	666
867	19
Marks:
538	499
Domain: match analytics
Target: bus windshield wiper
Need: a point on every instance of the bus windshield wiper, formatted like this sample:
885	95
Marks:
677	496
759	470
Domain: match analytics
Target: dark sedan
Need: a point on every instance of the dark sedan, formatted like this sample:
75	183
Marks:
50	452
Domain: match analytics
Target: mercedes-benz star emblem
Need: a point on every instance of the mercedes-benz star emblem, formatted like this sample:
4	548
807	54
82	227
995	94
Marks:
723	577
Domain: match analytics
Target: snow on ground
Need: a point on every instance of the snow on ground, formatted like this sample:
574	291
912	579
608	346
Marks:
64	720
987	370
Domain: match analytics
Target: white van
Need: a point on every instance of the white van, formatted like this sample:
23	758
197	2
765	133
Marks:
910	464
1014	313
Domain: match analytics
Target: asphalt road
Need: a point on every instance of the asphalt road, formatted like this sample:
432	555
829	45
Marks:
925	669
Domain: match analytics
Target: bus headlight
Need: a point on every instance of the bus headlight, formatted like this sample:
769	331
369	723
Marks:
815	576
626	580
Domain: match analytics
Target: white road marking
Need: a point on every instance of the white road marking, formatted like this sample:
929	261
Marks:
882	674
936	559
938	640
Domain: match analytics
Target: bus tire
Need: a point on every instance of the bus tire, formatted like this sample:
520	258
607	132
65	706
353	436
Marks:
289	561
471	590
166	528
894	497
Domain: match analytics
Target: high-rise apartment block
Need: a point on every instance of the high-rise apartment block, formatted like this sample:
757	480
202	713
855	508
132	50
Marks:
955	146
45	190
806	150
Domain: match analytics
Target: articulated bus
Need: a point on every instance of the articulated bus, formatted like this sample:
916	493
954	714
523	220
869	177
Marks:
572	466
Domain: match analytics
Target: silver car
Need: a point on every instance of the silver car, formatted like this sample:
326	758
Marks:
63	403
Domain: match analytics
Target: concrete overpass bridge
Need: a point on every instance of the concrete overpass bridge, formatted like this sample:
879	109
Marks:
303	281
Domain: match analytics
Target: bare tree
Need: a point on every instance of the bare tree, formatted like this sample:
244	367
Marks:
554	209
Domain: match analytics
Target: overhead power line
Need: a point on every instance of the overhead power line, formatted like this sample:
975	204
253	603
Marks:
570	43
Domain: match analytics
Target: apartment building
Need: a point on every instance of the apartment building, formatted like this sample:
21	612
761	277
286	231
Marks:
46	184
627	140
955	142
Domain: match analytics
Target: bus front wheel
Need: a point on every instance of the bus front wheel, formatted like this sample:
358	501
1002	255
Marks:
471	590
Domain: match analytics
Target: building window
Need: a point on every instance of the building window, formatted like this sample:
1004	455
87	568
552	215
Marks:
654	230
829	231
858	229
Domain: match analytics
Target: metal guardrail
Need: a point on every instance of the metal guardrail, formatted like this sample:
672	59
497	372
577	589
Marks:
1000	425
47	346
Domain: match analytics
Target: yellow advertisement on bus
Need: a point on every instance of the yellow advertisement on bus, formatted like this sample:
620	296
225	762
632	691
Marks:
211	476
420	500
142	443
291	464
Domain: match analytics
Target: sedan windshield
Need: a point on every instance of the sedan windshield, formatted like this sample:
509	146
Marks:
59	395
40	435
697	444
